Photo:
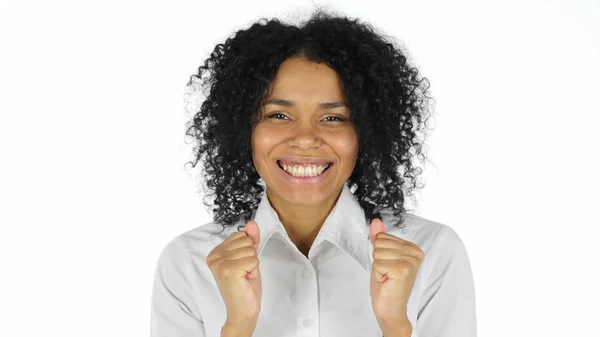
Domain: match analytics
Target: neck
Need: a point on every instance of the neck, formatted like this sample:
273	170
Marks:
302	222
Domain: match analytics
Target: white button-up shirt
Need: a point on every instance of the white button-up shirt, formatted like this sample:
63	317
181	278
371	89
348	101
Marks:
326	294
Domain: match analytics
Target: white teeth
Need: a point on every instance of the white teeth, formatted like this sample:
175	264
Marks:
301	171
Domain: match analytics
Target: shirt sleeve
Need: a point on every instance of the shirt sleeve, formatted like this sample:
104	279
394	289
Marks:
447	305
173	312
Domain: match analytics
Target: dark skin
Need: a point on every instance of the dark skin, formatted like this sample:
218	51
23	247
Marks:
306	127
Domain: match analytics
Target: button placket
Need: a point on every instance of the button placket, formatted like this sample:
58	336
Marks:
306	273
308	292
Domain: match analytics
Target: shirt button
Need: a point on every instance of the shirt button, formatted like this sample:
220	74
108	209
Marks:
306	273
308	322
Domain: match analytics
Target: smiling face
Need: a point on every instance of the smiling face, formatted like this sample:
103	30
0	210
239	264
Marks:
305	115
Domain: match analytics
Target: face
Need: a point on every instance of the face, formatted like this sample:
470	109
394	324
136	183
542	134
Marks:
305	115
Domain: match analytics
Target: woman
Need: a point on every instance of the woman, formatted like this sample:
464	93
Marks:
307	137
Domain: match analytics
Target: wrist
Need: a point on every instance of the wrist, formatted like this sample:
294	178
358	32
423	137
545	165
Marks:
238	329
400	329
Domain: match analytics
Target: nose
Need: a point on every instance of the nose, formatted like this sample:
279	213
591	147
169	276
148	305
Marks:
305	136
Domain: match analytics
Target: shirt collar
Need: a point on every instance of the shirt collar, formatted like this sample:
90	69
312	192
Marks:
345	226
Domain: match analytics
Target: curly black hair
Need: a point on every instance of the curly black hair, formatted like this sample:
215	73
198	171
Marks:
388	101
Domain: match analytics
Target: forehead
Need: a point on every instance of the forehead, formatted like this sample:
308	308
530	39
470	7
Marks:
298	78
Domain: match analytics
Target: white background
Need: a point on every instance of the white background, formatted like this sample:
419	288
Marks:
92	148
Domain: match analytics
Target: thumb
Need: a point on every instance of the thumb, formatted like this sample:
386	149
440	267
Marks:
377	226
253	232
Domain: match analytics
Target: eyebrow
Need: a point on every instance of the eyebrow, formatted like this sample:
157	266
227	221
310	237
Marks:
286	103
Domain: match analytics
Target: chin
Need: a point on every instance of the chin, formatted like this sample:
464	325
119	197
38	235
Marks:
305	195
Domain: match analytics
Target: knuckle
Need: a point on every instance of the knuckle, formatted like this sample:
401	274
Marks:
405	267
249	250
210	257
420	254
216	266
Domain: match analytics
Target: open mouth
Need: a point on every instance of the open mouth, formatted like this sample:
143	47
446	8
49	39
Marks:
329	165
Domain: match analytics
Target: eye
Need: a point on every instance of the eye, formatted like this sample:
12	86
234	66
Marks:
275	114
334	118
340	119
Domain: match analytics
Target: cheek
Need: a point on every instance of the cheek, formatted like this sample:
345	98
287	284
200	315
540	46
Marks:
263	140
346	146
